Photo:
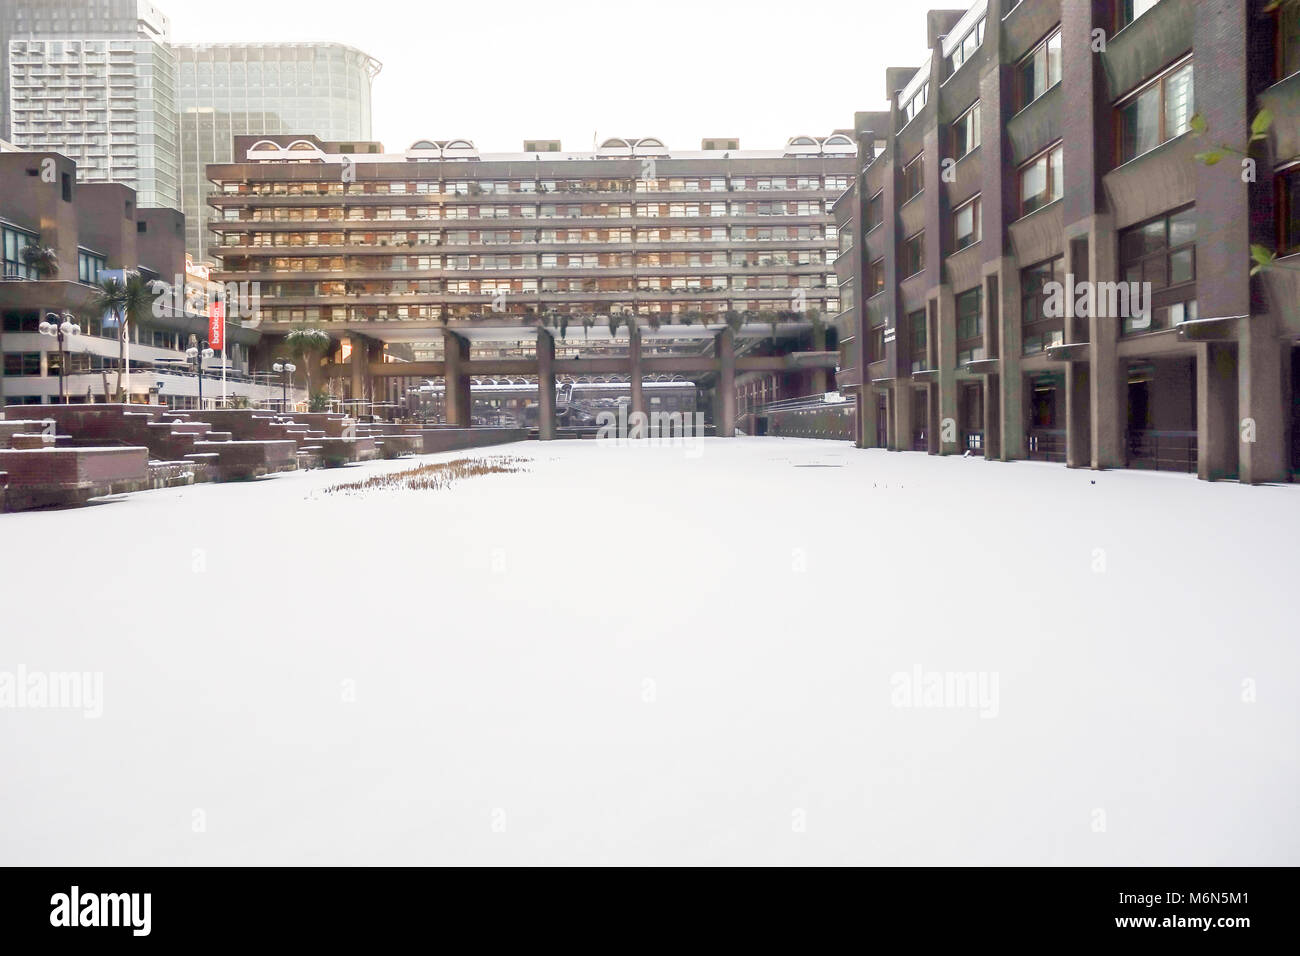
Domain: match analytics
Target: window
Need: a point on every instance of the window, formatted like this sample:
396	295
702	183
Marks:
966	132
969	322
22	363
1288	39
89	267
1040	331
877	343
966	225
914	177
875	211
914	254
966	49
14	243
1156	113
1288	210
1130	10
1040	70
1041	180
876	278
915	104
917	337
1163	253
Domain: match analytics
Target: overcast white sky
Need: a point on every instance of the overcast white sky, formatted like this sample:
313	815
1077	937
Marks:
499	71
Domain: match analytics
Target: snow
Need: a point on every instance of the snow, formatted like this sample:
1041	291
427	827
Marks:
649	655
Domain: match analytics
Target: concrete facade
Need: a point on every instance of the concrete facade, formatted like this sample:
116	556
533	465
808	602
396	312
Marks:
960	348
489	264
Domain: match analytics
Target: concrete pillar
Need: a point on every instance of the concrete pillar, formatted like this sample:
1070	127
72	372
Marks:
378	383
819	382
1078	426
1011	394
868	410
992	418
1107	378
1263	400
545	385
725	419
1216	411
943	394
357	363
634	367
901	400
456	383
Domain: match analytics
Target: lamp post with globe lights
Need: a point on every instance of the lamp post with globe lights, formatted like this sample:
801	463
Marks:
61	330
286	370
197	354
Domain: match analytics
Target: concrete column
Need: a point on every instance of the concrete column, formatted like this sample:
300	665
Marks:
1263	400
1107	380
1011	395
357	362
377	384
1078	428
725	419
1216	411
867	416
545	385
901	400
819	380
456	383
943	394
634	368
992	418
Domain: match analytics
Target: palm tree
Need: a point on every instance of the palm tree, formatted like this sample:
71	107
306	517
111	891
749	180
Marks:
127	302
41	259
308	345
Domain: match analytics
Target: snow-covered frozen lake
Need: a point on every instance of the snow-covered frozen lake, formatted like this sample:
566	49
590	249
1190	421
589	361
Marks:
641	655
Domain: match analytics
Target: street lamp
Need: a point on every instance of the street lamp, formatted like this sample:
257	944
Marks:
62	331
197	355
286	370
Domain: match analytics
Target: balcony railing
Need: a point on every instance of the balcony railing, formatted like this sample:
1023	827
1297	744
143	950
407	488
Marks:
1046	444
1162	450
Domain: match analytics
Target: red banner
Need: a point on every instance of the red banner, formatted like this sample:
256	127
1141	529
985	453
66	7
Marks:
217	327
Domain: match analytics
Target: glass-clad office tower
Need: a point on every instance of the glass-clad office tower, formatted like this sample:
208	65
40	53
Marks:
95	82
238	89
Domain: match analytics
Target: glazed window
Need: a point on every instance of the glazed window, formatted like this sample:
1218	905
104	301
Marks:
966	49
914	177
1041	180
1040	70
876	278
966	225
914	254
1156	113
966	132
1130	10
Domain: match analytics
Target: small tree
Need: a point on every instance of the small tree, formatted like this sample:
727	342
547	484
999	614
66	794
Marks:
734	320
125	302
41	259
308	345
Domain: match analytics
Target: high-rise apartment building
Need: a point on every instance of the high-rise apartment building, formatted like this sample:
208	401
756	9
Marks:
1048	249
96	82
226	90
708	253
100	19
100	82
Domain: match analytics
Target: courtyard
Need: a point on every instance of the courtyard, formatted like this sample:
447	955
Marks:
758	650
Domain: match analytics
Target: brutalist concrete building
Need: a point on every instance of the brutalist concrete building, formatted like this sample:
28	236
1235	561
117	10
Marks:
1050	241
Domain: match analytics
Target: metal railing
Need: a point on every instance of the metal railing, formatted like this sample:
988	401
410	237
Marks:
1162	450
1045	444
